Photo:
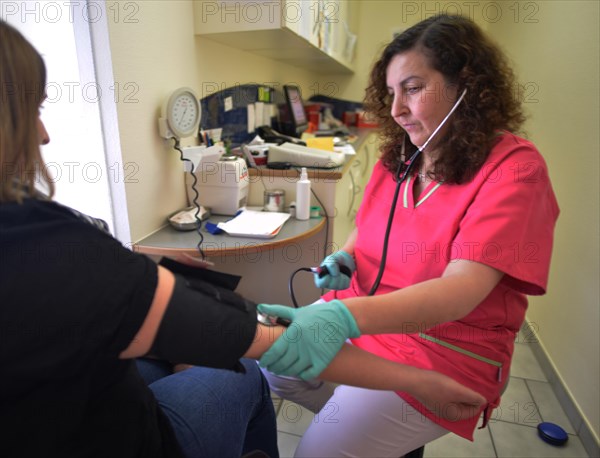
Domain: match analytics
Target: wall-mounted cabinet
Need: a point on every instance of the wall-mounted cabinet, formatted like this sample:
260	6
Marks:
312	34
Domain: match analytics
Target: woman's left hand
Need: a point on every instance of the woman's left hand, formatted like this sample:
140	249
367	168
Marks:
447	398
315	335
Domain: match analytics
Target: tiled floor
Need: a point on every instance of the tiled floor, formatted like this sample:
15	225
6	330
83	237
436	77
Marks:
528	400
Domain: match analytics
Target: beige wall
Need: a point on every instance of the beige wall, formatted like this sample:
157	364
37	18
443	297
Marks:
378	20
155	54
221	66
557	57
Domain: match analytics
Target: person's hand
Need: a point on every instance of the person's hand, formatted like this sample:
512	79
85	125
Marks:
315	335
335	271
447	398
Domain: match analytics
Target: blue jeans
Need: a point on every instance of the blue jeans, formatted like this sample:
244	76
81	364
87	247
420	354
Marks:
215	412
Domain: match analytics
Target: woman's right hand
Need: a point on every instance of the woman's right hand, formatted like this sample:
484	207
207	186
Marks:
447	398
335	272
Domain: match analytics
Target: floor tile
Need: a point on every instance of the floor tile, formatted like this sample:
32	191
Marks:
525	365
293	419
513	440
549	406
528	400
517	405
287	444
453	446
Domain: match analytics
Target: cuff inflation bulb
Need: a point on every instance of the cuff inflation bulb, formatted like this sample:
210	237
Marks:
321	271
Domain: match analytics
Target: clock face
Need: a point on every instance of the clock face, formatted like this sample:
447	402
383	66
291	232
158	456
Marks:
184	113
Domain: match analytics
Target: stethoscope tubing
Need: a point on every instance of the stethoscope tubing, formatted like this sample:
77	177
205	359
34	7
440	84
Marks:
401	178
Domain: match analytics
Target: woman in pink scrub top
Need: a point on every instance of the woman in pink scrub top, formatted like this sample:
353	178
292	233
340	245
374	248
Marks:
471	237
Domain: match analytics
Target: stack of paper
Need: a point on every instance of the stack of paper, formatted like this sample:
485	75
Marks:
252	223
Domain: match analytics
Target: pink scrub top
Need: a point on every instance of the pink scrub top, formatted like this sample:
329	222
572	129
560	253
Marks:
504	218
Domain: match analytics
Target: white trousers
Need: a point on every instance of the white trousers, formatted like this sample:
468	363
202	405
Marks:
355	422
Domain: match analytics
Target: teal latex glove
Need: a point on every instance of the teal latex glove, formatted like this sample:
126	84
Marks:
335	279
311	341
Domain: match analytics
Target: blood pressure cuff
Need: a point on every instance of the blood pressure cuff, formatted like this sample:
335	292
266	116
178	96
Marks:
228	281
205	325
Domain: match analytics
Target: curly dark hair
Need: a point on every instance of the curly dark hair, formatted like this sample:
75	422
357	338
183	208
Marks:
457	48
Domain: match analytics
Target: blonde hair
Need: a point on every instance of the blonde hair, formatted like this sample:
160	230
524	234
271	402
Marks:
22	90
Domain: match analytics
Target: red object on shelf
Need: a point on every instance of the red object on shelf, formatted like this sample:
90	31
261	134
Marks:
312	127
350	118
364	121
312	108
314	117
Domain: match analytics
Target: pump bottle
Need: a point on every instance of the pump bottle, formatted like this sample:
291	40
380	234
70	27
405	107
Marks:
303	196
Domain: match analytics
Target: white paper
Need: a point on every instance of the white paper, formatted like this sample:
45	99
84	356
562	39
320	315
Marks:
348	150
228	104
259	110
251	223
251	122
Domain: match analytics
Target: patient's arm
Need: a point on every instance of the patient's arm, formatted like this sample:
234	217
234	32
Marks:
441	394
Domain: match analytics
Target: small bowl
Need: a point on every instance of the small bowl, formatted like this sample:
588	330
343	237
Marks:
185	220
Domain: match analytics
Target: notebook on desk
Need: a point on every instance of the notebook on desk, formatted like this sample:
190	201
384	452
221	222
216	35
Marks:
258	224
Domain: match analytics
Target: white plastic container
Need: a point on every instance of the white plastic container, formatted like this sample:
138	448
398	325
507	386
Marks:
303	196
222	186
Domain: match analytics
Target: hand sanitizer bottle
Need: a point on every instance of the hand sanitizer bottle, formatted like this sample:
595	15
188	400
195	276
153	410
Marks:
303	196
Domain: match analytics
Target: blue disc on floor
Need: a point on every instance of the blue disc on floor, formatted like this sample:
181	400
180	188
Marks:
552	433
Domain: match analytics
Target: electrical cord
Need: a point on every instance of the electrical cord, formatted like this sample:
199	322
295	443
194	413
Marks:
194	200
401	176
291	283
308	269
326	221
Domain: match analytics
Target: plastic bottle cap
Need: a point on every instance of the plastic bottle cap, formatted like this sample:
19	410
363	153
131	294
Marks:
303	174
552	433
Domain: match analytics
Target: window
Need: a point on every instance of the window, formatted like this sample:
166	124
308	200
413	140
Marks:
83	155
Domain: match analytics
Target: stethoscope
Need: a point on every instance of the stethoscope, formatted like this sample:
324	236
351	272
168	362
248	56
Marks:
401	177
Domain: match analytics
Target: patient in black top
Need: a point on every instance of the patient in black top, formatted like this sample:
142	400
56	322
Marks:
74	302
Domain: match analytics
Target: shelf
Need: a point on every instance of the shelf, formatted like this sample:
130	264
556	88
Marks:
282	30
170	242
282	45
